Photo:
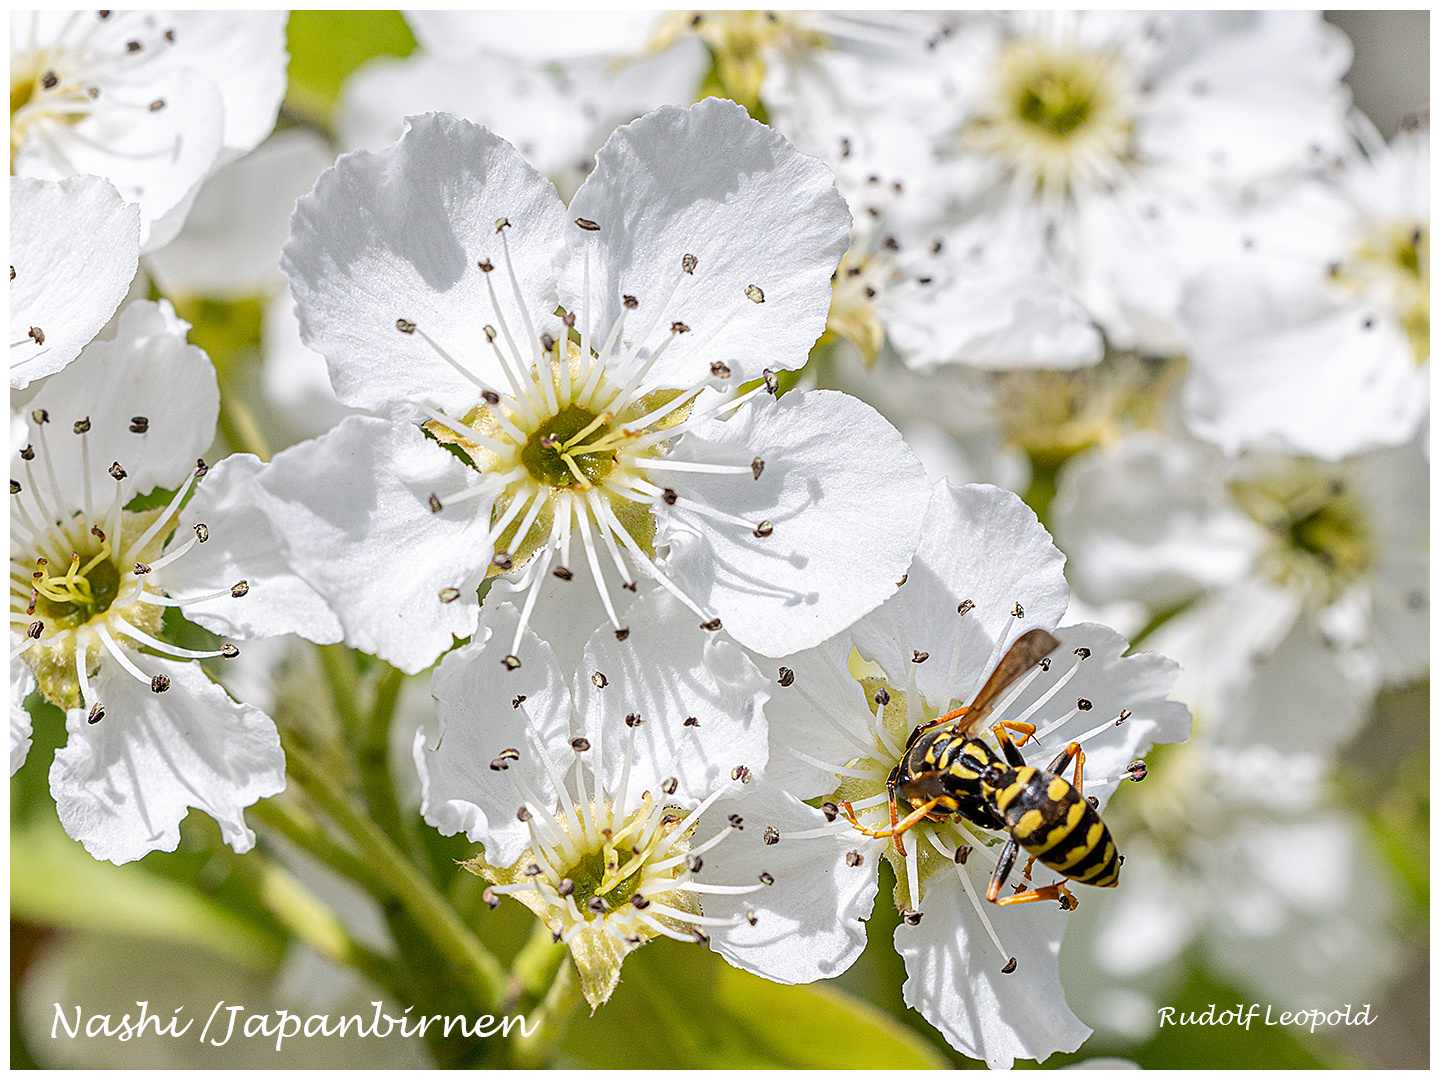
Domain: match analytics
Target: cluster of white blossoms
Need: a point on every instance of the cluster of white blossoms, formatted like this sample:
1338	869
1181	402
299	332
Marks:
592	397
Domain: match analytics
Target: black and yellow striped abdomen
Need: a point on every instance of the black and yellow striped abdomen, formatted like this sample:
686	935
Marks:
1054	822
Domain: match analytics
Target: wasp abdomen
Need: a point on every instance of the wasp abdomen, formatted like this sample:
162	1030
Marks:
1053	822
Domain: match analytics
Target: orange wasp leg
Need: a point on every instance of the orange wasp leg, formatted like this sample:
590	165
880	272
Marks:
1058	765
896	827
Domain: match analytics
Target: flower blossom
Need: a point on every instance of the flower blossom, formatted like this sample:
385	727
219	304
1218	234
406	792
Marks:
152	101
90	580
618	806
841	717
577	374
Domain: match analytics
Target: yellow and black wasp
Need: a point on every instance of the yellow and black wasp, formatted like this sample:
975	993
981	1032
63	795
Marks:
946	773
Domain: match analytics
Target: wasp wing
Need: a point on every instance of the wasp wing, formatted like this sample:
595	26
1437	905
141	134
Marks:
1028	650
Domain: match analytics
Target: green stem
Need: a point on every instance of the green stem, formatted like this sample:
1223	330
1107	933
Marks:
481	973
305	832
375	778
549	1020
344	679
240	428
536	964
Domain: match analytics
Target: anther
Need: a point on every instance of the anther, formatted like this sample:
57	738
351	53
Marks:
639	902
566	887
502	223
669	497
757	467
701	938
713	624
763	530
1124	715
229	651
202	531
869	292
157	105
1137	770
1093	800
160	683
688	263
1084	704
854	858
36	629
489	333
449	594
766	879
564	573
82	426
772	382
787	677
532	870
485	266
132	46
1009	967
490	397
501	560
549	442
15	487
962	853
579	744
170	36
753	292
488	895
405	326
679	328
1082	652
692	721
569	320
517	701
751	917
830	810
670	785
511	662
741	773
720	370
547	342
911	917
28	454
499	764
587	224
36	335
633	720
40	416
117	472
141	569
630	302
622	633
200	467
920	657
693	863
771	835
966	606
1017	610
882	697
1045	664
523	814
239	589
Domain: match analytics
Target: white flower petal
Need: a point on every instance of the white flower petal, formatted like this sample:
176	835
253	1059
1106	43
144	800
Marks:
557	34
352	513
397	235
123	785
666	672
243	53
845	497
22	683
809	923
954	978
146	370
479	718
756	214
242	545
74	247
979	544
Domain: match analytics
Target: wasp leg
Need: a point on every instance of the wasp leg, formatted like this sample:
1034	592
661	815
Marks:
890	782
1029	865
1012	755
1002	870
1057	891
1063	759
896	827
961	711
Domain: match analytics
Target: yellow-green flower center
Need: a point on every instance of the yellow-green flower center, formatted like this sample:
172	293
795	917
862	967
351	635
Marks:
1392	264
555	454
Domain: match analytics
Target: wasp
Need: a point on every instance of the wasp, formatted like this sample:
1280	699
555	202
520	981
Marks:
946	773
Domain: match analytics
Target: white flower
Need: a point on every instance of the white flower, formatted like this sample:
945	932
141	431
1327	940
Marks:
556	111
1079	158
150	734
74	246
1299	585
1315	334
696	256
986	976
607	806
150	101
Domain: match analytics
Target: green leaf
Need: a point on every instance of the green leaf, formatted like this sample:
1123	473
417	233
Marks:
326	46
682	1006
54	883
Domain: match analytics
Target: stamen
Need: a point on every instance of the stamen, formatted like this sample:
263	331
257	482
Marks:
1039	702
495	446
119	654
838	770
160	522
500	418
122	627
866	749
543	378
974	900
